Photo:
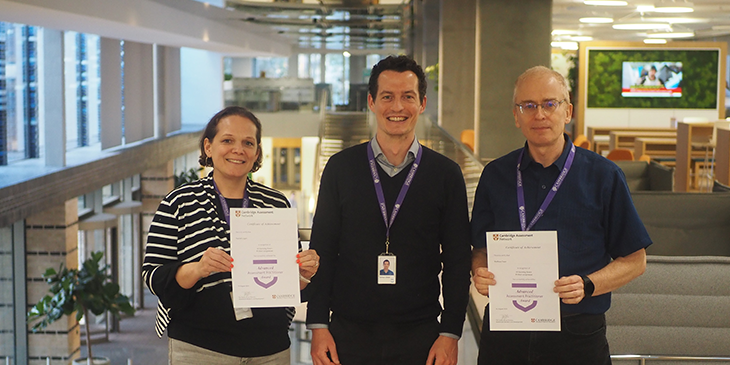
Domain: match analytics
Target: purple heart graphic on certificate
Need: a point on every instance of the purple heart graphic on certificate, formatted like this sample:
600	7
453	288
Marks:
265	285
261	283
524	286
525	309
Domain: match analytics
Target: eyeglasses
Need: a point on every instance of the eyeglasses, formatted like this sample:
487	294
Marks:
548	107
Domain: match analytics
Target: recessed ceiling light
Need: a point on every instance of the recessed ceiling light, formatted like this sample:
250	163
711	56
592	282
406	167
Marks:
721	27
606	3
671	35
655	41
571	46
645	8
667	7
641	26
596	20
677	20
581	38
674	7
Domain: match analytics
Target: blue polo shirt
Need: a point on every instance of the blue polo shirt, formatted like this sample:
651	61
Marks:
592	212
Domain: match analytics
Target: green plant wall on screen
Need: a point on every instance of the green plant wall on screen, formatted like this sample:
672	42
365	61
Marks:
694	72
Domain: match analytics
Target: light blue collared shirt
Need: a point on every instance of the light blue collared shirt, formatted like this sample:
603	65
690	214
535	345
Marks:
388	167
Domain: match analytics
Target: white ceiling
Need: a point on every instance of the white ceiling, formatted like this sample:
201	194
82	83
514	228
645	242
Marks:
382	24
710	18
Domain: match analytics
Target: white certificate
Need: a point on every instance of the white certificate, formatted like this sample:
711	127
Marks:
525	266
264	246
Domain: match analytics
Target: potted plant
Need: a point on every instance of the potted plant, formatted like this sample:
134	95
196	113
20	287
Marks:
79	290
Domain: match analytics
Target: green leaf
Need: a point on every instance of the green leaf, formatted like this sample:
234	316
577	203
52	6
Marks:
73	290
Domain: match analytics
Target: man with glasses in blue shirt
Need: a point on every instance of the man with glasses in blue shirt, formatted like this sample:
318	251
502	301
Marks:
584	197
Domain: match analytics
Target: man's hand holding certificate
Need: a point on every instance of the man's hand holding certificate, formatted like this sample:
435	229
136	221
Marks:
525	266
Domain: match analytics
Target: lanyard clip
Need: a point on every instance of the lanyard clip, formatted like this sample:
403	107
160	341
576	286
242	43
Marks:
387	244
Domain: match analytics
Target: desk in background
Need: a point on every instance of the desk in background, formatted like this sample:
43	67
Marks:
625	139
691	137
722	156
654	147
600	145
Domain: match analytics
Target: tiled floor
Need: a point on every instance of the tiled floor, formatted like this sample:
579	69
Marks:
138	342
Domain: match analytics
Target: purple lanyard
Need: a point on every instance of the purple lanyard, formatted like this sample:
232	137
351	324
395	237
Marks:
224	203
548	198
401	195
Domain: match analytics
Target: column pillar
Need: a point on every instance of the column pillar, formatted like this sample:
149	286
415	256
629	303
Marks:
357	66
293	66
457	66
155	183
111	93
429	34
53	98
242	67
139	114
52	239
511	37
169	108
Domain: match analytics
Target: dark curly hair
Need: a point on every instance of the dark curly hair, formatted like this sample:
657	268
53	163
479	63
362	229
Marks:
212	129
397	64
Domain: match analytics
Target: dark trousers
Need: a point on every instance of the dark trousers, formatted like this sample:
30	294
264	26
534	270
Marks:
383	343
581	341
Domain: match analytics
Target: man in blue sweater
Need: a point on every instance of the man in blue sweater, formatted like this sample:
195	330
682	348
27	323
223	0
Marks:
393	199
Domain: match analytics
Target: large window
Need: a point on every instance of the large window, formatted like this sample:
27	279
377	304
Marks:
13	335
273	67
337	74
82	75
7	318
310	67
18	93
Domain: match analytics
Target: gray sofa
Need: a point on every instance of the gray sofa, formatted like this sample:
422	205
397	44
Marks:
643	176
686	224
680	306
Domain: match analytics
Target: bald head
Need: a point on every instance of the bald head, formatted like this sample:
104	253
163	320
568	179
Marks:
542	72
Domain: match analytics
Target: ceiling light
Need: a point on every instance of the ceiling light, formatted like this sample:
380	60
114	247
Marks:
606	3
641	26
655	41
596	20
678	20
721	27
581	38
667	7
671	35
571	46
346	54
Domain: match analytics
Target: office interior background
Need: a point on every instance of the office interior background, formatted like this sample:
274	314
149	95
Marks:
102	103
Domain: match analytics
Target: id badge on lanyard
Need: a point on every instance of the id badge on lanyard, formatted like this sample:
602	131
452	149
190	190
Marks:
386	265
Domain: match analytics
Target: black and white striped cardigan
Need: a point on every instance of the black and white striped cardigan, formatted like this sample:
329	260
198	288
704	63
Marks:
186	223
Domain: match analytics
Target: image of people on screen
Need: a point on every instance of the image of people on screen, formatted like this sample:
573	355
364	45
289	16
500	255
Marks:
649	78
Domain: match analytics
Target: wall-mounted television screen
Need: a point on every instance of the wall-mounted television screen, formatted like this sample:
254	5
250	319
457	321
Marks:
651	79
692	76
